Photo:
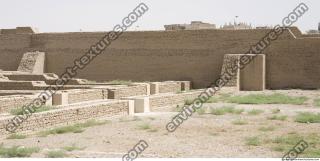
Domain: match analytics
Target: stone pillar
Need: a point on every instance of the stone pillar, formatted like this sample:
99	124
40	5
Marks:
154	88
60	98
141	105
131	107
185	85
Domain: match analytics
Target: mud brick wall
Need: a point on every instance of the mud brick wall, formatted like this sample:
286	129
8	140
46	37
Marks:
76	96
7	103
196	56
12	47
169	87
70	115
134	90
163	101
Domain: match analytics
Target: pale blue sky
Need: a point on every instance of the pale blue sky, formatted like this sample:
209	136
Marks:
102	15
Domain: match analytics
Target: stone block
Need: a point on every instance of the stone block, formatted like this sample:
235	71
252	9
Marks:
60	98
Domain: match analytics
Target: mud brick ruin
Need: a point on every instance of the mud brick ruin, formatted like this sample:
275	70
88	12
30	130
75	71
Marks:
165	67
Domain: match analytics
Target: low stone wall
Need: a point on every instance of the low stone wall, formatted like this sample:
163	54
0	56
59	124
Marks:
134	90
82	95
169	87
69	115
21	85
7	103
164	101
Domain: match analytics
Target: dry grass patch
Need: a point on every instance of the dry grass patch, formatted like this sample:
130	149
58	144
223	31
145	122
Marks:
307	117
17	151
201	111
253	141
226	109
72	148
275	111
316	102
129	119
267	128
56	154
287	142
278	117
267	99
19	111
239	122
16	136
76	128
144	126
255	112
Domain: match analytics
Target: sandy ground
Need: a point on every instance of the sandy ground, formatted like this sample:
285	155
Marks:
200	136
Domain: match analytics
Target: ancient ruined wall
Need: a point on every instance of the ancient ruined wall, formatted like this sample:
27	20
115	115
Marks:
8	103
294	64
165	101
82	95
12	47
69	115
196	56
148	56
135	90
